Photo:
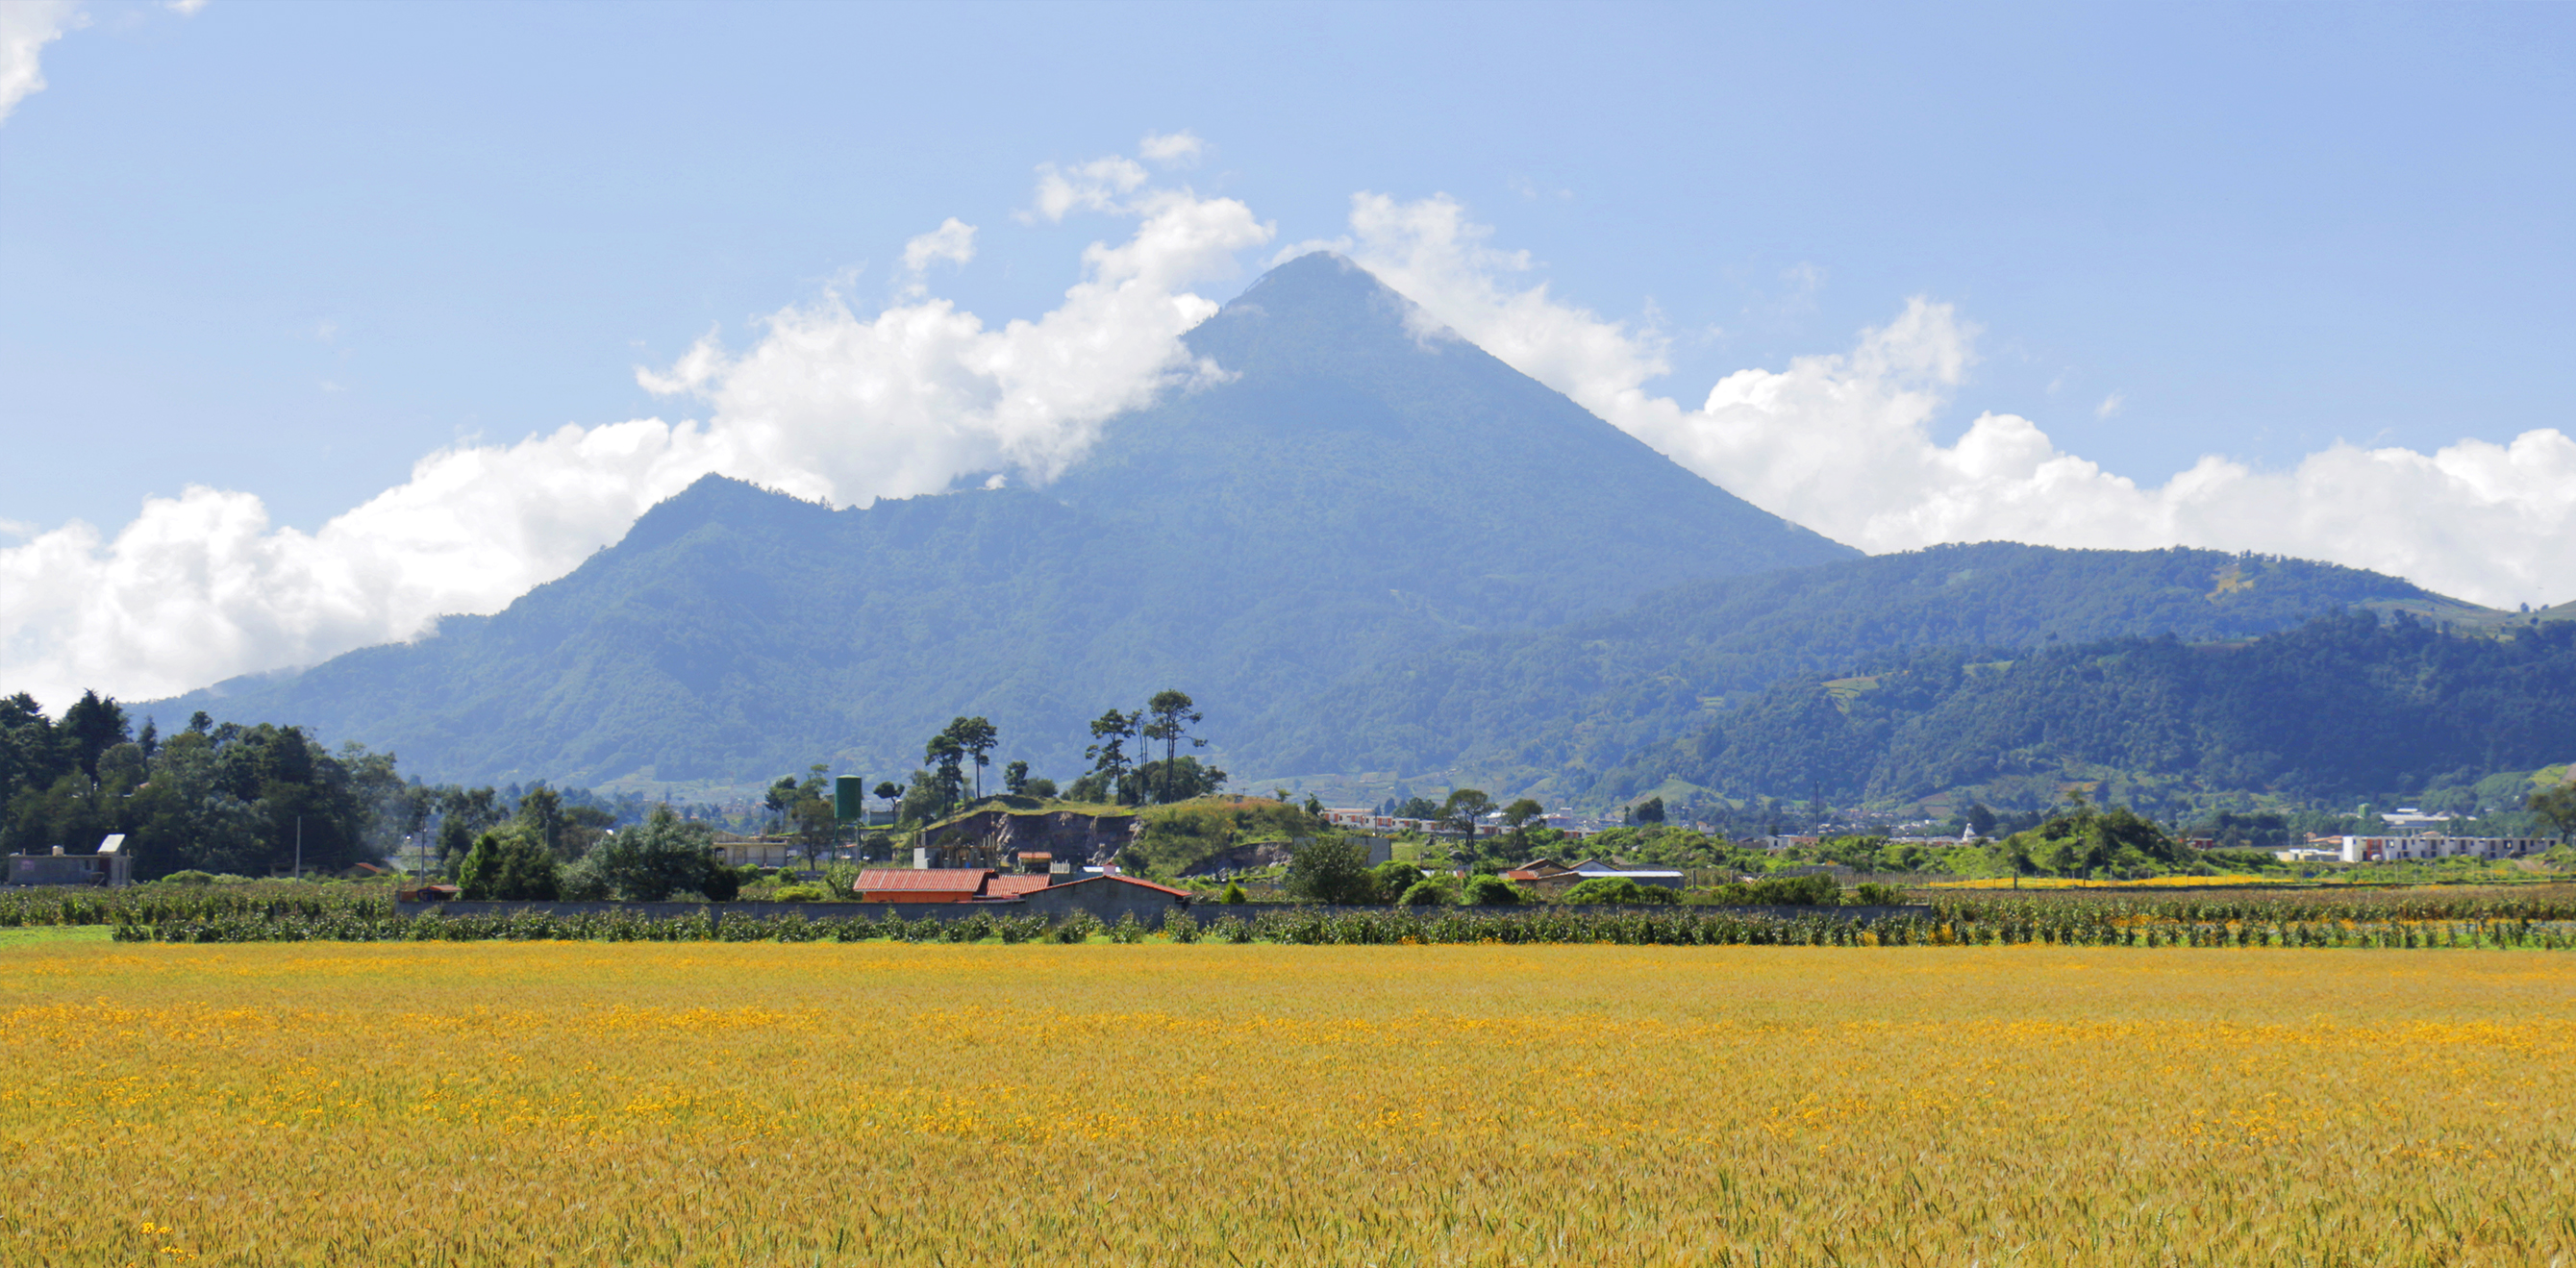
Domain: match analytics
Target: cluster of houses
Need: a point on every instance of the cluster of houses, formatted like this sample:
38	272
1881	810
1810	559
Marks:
2432	845
1037	889
1366	820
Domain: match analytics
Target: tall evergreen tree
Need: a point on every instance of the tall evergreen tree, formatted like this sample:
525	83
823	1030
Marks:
1174	713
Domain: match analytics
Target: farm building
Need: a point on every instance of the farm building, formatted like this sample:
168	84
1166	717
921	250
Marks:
110	866
1590	868
1108	896
1541	872
761	851
926	884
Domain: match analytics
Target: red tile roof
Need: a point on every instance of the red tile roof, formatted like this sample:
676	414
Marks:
943	880
1013	886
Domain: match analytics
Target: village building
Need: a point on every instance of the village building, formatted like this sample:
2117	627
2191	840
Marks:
1669	879
2434	845
110	867
1541	872
738	850
1107	896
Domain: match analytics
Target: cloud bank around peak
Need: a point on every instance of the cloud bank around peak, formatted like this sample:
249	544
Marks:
826	403
833	403
1843	442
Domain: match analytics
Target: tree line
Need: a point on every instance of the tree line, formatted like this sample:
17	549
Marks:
1123	770
224	798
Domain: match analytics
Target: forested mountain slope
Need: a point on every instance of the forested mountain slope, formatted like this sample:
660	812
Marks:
1552	708
2348	706
1358	487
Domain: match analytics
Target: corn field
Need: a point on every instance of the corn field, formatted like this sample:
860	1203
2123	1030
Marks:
2092	925
897	1103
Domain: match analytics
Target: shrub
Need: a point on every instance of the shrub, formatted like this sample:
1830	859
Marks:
1231	929
190	877
807	893
1777	891
509	863
1128	930
1182	926
1873	894
1425	893
657	858
1077	927
582	883
722	883
1330	870
1491	891
1393	879
842	879
1233	894
1618	889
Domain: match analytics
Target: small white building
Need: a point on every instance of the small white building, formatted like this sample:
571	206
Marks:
1589	869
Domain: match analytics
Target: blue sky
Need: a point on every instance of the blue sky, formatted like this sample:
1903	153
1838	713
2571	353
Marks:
287	250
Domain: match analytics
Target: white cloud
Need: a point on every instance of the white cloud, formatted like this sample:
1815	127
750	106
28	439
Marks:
825	404
1178	149
953	241
2110	405
26	27
185	8
1093	186
1843	443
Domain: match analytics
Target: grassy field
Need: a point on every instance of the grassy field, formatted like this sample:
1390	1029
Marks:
884	1103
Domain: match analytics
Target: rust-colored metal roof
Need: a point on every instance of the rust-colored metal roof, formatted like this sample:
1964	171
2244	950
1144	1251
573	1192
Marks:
1013	886
1130	880
944	880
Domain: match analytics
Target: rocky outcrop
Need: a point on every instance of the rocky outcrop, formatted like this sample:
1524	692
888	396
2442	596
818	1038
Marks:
1071	836
1244	858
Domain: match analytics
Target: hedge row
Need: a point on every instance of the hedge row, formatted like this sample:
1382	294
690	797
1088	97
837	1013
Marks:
1312	926
155	904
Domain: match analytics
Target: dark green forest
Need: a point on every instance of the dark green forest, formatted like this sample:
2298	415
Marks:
215	798
2351	706
228	799
1553	708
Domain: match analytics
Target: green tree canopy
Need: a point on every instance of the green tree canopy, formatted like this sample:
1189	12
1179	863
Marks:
1330	870
509	862
655	859
2557	808
1464	808
1173	713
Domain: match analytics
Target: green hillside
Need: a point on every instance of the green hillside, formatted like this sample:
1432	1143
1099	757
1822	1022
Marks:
2346	707
1356	489
1552	708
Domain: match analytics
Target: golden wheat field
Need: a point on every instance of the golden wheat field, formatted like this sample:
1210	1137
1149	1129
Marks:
881	1103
